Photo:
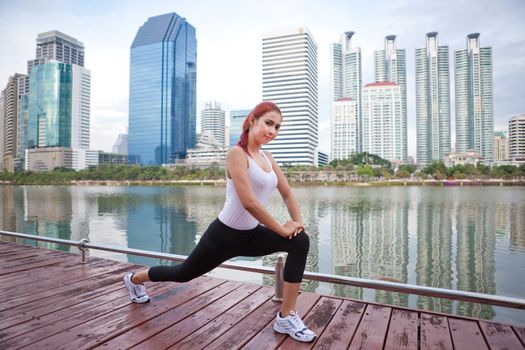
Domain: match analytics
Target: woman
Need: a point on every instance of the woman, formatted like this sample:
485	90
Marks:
244	227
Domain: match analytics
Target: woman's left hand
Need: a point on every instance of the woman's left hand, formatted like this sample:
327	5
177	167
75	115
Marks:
298	227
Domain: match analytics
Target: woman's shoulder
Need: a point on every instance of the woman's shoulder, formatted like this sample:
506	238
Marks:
235	150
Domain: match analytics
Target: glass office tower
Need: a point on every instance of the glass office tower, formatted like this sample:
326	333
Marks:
50	97
236	119
162	98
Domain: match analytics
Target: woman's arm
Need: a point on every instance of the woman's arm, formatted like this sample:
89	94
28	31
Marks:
237	167
286	192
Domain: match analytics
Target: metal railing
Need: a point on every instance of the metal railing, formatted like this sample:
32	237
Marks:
490	299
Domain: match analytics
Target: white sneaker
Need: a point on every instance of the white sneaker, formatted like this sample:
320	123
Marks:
294	327
137	292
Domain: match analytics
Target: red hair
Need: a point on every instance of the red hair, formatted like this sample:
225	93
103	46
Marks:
259	110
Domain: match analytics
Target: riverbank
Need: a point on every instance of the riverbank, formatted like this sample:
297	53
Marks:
222	182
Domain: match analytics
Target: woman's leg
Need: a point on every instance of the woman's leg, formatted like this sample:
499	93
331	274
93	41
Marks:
264	241
212	250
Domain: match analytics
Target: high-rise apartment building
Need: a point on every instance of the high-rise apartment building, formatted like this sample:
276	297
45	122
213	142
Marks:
390	66
1	130
344	128
474	99
501	146
517	138
14	130
383	120
236	119
54	45
432	101
289	77
213	122
162	92
59	93
346	82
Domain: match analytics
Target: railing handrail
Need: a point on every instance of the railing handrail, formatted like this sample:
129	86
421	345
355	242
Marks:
315	276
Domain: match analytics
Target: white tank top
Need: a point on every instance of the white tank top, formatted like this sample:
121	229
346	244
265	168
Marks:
233	214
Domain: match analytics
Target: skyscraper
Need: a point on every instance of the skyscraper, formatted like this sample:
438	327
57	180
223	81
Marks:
236	119
432	101
213	122
501	146
474	102
382	120
289	75
346	82
121	145
54	45
390	66
517	137
162	92
59	93
14	122
1	130
344	128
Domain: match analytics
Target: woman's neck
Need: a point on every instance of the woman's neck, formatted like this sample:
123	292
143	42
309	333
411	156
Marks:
253	149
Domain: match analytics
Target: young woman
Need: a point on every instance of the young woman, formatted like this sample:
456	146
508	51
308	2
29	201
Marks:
244	227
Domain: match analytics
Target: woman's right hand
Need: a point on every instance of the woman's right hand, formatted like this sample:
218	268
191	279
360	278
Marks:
291	229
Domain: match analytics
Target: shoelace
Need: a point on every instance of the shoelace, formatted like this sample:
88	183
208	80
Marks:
298	320
139	290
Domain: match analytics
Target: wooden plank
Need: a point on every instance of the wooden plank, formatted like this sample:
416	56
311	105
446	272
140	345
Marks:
186	327
403	330
316	320
59	278
74	300
435	333
267	338
60	294
520	331
65	319
28	278
163	331
25	267
500	336
341	329
243	331
83	276
466	334
218	326
371	332
97	331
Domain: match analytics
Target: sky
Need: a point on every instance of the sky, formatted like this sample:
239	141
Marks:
229	46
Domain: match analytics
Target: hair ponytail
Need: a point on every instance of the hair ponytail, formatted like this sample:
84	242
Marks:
257	112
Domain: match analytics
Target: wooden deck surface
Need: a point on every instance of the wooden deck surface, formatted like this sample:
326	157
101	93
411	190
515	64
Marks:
51	301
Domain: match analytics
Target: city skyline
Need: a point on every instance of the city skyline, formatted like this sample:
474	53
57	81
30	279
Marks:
234	78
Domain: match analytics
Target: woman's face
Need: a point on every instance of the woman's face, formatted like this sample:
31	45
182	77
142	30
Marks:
266	128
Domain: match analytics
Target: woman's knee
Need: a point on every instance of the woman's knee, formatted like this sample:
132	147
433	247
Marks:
301	242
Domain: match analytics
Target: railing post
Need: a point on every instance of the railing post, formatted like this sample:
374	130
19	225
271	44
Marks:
83	248
279	282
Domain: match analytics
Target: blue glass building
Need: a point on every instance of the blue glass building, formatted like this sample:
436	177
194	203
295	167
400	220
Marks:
50	96
236	120
162	97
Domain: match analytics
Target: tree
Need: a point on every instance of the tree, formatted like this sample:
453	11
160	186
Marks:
365	171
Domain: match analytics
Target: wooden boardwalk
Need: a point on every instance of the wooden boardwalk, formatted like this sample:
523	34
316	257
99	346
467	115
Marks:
51	301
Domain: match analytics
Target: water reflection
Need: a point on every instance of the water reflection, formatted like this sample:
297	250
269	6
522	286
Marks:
461	238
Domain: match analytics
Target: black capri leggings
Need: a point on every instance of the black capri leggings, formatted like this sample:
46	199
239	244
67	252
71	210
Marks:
220	243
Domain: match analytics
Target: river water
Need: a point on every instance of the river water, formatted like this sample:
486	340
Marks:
465	238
